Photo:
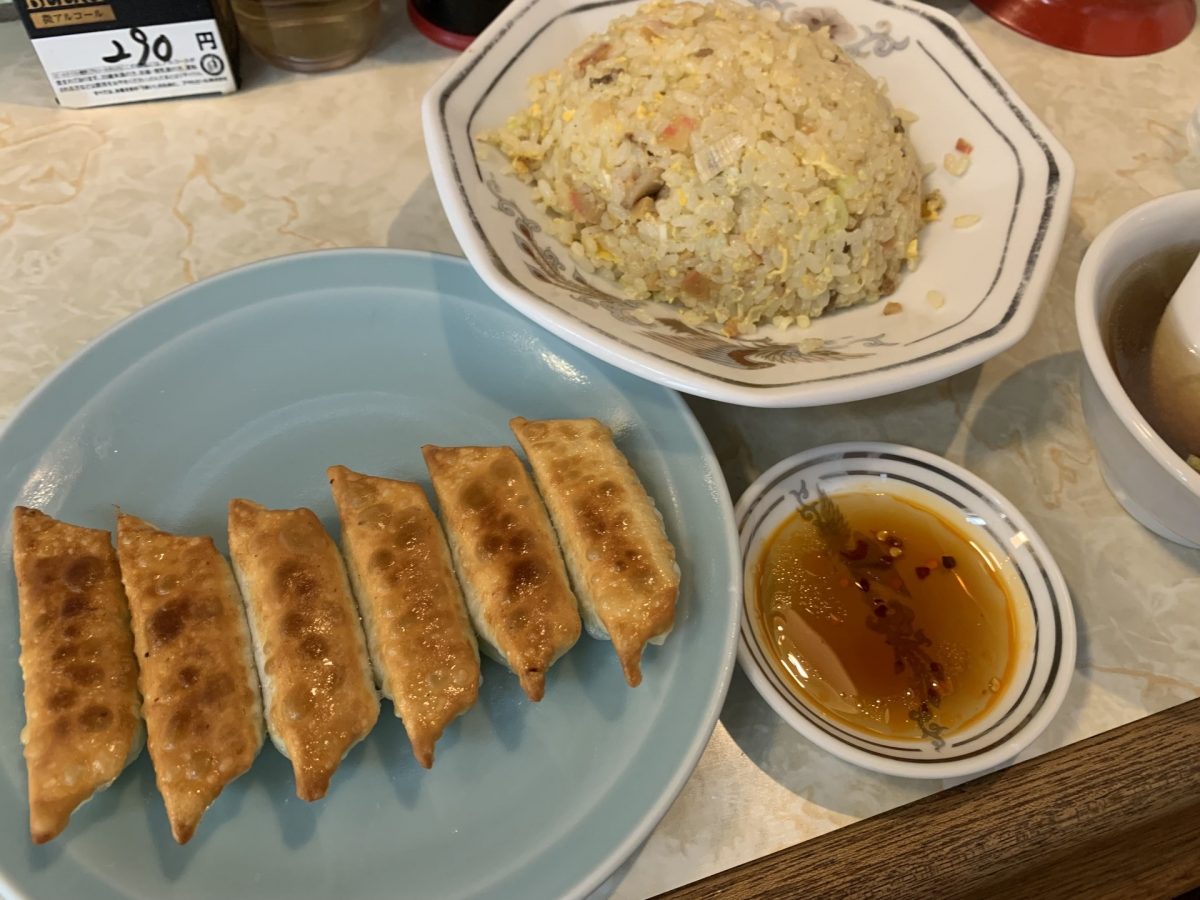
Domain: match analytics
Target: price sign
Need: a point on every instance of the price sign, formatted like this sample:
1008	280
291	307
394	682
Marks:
96	66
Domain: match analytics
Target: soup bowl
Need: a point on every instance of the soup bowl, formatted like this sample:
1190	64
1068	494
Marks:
1147	477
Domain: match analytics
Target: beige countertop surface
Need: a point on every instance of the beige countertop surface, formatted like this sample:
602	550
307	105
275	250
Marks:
103	211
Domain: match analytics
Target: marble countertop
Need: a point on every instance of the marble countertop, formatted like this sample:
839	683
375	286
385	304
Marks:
103	211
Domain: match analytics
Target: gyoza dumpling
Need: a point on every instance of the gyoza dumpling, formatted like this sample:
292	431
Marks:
82	725
507	559
621	563
199	687
318	690
418	633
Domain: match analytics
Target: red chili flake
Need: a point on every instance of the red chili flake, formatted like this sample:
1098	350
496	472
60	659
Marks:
862	584
962	145
923	572
936	668
881	611
948	562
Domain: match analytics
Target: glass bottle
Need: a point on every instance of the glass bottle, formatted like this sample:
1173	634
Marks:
308	35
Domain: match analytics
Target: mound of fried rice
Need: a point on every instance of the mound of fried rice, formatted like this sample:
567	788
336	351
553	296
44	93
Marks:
713	156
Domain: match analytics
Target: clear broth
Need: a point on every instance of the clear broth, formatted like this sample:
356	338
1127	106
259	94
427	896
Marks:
925	649
1138	300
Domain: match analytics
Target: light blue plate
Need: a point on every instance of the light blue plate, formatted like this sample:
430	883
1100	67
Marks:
250	384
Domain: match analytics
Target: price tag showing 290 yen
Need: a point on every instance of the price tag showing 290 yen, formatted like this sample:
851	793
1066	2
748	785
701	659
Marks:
122	64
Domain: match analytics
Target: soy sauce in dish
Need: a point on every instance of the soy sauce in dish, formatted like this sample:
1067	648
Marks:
1139	299
885	616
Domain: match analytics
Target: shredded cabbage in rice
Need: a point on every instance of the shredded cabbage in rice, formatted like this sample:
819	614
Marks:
715	157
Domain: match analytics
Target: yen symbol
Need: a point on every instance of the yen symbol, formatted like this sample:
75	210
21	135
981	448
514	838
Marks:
212	64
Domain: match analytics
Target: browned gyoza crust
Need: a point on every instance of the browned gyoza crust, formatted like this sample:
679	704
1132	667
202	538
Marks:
621	563
81	698
201	701
417	628
517	590
318	691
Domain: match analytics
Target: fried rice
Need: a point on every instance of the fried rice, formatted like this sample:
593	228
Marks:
713	156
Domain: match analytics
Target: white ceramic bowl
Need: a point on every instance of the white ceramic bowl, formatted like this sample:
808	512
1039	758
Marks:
1149	479
992	274
1046	623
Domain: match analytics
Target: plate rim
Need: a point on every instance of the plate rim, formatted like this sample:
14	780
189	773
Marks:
698	743
611	348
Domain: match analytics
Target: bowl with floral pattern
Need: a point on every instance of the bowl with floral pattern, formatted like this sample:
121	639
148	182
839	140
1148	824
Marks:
1004	180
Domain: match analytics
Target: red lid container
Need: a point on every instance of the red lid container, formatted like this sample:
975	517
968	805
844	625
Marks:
1099	27
453	23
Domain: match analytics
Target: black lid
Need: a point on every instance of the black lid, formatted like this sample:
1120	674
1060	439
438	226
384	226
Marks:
459	17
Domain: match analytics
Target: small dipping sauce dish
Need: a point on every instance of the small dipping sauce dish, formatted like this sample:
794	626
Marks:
900	613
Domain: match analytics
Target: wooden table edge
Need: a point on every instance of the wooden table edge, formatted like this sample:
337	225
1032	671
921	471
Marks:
1115	815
